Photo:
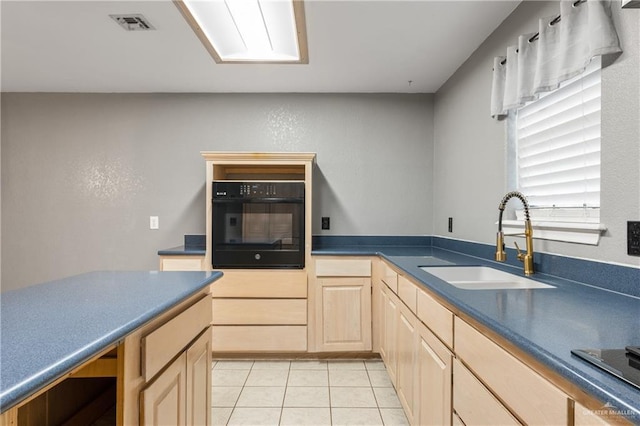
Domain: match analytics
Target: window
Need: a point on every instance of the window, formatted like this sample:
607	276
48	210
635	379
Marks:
555	153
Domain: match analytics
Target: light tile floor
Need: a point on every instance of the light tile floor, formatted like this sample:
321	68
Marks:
306	392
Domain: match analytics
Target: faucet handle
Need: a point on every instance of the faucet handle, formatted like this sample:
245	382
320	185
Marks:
520	254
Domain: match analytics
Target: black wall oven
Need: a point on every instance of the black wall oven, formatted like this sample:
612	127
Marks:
258	224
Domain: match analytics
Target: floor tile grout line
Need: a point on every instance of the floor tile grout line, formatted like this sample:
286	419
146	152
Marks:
284	396
329	391
241	390
328	386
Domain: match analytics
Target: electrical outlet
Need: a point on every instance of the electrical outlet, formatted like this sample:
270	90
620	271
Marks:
450	224
633	238
154	223
326	223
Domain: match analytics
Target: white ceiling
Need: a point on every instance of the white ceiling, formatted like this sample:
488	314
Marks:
354	46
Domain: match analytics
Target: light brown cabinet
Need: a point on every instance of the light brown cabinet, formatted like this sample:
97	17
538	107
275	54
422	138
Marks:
390	326
180	395
387	317
481	383
198	370
343	304
163	401
433	373
438	318
528	395
474	404
258	311
345	316
419	364
176	364
379	322
407	352
182	263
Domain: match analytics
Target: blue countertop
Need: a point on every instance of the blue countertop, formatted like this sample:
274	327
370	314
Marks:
182	251
48	329
544	323
194	245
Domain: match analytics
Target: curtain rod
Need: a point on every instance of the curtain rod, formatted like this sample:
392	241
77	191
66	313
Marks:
553	22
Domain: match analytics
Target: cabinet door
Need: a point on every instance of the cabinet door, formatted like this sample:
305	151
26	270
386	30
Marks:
163	401
383	299
406	352
344	314
390	334
199	381
434	371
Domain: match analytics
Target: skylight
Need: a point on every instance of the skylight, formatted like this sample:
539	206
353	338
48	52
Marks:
241	31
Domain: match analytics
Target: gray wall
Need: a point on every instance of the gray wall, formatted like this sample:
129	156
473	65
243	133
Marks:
469	151
82	173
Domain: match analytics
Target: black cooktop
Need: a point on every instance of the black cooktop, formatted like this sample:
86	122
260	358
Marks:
622	363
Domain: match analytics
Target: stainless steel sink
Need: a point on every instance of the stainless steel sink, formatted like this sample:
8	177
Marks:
482	278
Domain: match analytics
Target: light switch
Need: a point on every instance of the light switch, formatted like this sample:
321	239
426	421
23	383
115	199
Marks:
153	222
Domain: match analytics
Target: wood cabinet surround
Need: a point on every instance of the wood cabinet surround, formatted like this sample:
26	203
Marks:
260	310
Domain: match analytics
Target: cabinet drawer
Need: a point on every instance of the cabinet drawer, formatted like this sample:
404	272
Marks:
259	311
162	344
260	283
343	267
389	277
535	400
435	316
246	338
182	263
407	292
474	403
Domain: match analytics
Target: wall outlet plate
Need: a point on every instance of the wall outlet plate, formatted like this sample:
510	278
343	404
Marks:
154	223
633	238
326	222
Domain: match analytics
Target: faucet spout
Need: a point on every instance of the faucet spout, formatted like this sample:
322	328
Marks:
525	258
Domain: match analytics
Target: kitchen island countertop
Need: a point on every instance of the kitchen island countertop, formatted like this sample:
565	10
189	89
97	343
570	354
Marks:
47	330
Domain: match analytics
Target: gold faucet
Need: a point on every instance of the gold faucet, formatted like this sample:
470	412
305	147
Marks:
525	258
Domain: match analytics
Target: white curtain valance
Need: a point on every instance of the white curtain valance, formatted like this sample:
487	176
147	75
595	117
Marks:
562	49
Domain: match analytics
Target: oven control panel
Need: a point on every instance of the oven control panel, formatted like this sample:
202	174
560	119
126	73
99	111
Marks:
231	190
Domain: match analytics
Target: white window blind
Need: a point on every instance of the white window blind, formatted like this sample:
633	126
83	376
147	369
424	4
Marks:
558	144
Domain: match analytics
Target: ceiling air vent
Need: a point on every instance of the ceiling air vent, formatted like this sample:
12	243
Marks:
133	22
